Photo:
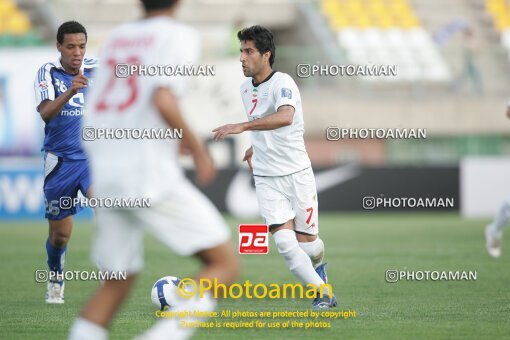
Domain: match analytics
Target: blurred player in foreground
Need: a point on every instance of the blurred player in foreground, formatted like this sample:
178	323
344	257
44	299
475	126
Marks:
60	91
180	215
284	180
494	231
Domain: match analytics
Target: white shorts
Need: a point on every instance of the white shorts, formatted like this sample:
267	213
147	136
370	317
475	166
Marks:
187	222
289	197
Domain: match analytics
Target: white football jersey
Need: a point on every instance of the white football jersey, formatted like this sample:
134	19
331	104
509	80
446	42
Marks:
136	167
281	151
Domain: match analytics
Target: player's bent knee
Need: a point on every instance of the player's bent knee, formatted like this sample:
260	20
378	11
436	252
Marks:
288	247
306	238
60	231
285	240
59	240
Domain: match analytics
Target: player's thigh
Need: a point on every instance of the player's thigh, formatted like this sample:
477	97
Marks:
275	207
117	244
186	221
61	185
305	203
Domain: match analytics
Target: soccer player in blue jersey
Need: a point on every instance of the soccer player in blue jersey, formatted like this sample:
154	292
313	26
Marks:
60	91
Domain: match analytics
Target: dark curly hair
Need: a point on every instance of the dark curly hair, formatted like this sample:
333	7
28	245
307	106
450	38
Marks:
70	27
151	5
262	37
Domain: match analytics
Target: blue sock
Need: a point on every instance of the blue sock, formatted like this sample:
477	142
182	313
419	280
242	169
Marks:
56	257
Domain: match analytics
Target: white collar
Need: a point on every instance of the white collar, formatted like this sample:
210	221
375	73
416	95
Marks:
58	64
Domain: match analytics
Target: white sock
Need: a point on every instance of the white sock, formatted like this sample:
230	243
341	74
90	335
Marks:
170	327
314	250
83	329
297	260
501	219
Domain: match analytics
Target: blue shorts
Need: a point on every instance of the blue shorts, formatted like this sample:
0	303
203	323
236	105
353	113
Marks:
63	178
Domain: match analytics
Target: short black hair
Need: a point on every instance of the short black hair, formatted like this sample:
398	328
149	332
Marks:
262	37
151	5
70	27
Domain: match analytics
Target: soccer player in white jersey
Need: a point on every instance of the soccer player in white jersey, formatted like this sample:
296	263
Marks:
284	180
180	215
494	231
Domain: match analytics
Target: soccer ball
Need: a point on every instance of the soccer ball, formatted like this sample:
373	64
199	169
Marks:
164	293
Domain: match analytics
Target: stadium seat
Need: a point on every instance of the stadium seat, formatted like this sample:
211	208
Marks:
499	11
15	26
18	24
386	32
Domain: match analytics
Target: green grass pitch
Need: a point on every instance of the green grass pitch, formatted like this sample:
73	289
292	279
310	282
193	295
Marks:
359	249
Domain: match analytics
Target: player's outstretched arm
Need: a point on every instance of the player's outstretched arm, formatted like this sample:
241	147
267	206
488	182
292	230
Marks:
283	117
166	104
50	108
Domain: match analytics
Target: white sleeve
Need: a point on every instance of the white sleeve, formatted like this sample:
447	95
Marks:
285	92
43	85
183	49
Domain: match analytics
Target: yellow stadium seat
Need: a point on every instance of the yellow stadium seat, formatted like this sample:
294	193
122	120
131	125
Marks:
338	13
6	8
362	22
18	24
410	23
355	6
496	6
500	16
372	13
376	7
489	3
401	8
385	22
331	7
341	24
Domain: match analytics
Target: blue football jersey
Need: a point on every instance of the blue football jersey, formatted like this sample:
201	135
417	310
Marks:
63	132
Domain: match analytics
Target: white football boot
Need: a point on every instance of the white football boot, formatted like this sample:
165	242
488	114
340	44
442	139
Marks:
55	292
493	242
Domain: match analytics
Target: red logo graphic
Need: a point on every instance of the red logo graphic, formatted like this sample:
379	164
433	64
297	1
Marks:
253	239
43	85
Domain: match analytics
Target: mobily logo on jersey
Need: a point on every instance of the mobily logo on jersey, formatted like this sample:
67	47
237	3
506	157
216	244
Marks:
78	100
72	113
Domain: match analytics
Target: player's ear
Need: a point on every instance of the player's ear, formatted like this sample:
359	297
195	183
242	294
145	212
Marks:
59	46
267	54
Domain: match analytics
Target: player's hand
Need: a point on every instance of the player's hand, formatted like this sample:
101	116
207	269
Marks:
79	82
230	129
247	157
206	171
